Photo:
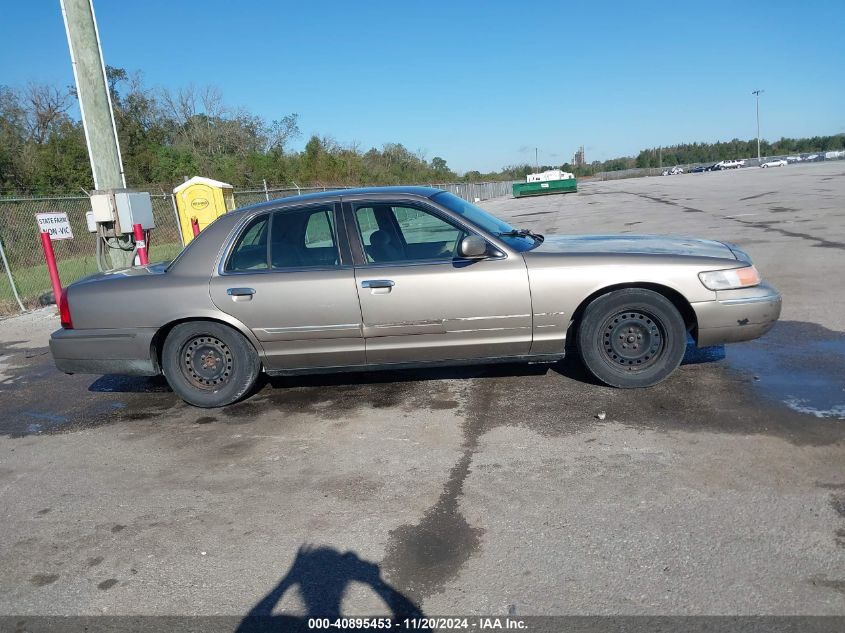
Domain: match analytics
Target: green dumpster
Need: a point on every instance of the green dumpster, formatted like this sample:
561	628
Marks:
522	189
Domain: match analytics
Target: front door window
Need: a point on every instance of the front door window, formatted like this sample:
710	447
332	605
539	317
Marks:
399	233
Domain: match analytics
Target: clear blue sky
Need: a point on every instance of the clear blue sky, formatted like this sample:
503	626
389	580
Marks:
478	83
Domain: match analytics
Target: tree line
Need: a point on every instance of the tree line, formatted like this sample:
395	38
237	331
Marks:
689	153
168	135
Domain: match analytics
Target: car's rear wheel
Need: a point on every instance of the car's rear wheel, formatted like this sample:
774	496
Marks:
209	364
631	338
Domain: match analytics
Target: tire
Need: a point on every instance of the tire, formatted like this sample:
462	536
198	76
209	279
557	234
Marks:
631	338
209	364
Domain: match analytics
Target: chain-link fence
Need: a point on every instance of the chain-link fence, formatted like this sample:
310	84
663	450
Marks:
23	272
75	257
470	191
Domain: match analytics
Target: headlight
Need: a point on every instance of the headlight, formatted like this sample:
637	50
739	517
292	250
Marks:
730	279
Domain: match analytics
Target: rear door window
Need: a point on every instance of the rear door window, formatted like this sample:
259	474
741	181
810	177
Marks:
304	238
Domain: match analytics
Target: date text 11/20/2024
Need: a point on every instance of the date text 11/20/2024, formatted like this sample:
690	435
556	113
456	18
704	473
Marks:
418	624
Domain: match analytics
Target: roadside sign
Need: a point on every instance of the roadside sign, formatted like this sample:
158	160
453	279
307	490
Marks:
56	224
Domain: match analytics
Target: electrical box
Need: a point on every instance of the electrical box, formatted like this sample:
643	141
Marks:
90	222
133	207
201	200
102	206
123	208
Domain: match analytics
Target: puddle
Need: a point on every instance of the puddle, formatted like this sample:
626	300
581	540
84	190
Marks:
114	383
801	365
694	355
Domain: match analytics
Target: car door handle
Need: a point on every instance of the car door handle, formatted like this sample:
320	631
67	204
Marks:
377	283
241	294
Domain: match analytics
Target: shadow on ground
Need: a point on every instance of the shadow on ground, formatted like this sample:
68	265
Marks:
322	576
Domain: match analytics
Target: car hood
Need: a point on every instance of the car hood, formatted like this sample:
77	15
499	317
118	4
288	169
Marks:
635	244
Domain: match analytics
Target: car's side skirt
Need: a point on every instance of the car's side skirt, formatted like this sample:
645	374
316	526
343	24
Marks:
494	360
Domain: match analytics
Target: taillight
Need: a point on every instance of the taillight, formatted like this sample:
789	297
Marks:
64	311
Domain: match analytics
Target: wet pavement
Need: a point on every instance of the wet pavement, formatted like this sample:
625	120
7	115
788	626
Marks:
507	489
801	365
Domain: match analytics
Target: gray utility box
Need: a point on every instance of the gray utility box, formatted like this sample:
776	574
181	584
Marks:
124	208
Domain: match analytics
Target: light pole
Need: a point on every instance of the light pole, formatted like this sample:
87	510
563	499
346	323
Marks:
756	93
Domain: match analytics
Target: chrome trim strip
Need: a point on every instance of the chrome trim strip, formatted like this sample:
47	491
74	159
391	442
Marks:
492	316
490	329
454	321
311	328
383	326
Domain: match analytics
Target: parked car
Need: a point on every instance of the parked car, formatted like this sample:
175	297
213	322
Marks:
779	162
398	277
728	164
700	168
674	171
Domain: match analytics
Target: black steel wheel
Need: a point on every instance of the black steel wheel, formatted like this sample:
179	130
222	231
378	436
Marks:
209	364
631	338
206	362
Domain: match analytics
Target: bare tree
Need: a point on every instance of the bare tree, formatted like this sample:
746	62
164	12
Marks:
45	108
282	131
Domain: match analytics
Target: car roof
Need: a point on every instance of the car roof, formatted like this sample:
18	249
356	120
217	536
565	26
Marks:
409	190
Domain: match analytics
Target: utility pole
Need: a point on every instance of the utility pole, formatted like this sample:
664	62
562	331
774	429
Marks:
536	160
95	107
757	94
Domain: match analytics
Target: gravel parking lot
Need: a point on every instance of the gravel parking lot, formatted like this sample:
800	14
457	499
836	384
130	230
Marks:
475	491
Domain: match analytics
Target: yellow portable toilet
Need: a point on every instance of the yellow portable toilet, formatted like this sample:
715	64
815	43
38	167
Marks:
201	200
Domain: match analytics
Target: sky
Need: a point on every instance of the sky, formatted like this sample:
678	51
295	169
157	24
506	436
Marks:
481	84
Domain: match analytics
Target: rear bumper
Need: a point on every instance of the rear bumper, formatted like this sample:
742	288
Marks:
126	351
737	315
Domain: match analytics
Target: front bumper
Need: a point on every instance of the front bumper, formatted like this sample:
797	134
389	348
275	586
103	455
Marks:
122	351
737	315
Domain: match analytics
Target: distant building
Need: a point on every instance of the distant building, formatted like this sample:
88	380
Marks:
578	157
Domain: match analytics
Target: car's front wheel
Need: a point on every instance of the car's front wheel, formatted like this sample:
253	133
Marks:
631	338
209	364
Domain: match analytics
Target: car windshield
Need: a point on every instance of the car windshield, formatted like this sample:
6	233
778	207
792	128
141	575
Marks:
518	239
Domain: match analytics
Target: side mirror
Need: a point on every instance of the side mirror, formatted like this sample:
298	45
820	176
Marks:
473	247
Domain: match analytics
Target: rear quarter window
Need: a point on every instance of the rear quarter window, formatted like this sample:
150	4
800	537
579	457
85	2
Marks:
250	250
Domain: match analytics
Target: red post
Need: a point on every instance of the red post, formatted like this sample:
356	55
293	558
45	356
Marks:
195	226
141	244
50	256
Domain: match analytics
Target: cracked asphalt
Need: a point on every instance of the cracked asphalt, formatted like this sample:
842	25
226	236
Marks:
484	490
